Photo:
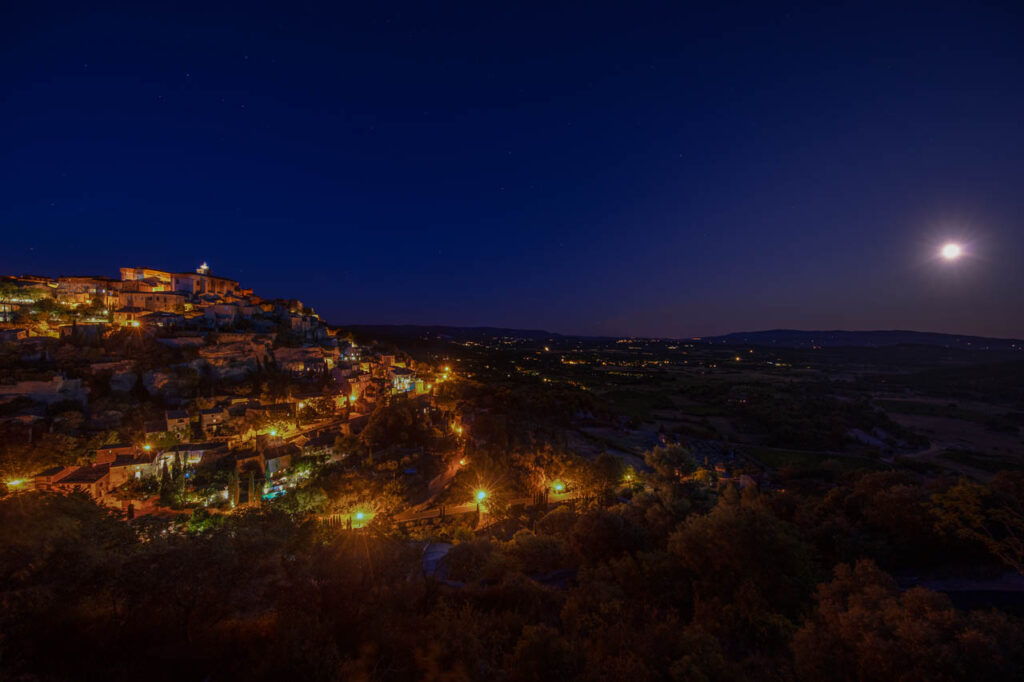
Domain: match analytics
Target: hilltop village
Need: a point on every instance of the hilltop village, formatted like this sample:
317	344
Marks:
161	391
194	474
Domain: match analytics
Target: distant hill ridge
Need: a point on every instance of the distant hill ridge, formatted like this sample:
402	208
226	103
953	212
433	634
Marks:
795	338
783	338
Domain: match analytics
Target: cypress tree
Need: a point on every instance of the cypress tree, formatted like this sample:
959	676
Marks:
166	489
182	478
233	487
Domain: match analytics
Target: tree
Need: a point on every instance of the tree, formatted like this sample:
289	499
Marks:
541	654
166	486
202	520
865	628
395	423
304	500
599	535
233	487
609	470
751	574
252	488
179	476
672	462
993	516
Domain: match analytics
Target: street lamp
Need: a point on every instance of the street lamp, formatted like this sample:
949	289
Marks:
558	486
360	518
481	495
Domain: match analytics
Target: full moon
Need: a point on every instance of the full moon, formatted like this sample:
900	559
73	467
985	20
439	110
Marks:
951	251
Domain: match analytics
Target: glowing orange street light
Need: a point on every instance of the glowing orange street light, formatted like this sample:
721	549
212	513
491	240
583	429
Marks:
273	432
147	447
558	486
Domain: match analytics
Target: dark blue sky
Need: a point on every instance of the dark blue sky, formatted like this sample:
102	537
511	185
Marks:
625	169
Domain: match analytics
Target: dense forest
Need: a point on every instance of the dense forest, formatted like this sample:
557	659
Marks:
681	578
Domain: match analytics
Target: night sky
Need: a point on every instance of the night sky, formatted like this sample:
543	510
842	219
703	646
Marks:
639	169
